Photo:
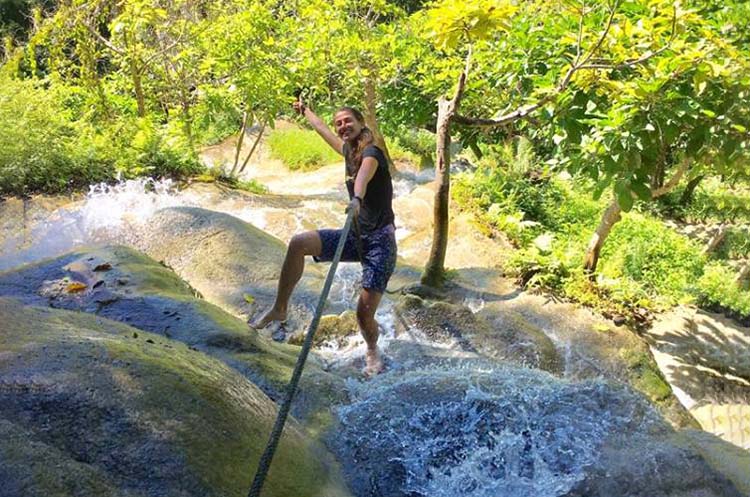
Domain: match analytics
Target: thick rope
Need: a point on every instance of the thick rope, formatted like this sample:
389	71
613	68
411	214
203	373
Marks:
265	460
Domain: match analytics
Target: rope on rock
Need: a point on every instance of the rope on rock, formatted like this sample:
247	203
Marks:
265	460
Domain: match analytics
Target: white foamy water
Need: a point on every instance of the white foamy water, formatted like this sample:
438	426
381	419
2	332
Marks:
469	431
107	214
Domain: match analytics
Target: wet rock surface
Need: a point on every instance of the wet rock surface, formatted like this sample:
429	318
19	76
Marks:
89	406
224	258
458	326
705	358
137	291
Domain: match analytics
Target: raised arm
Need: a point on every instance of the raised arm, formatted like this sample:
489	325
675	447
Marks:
322	128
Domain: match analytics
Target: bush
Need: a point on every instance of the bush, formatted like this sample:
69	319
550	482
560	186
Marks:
713	201
414	145
215	116
644	264
716	288
50	143
301	149
644	250
735	245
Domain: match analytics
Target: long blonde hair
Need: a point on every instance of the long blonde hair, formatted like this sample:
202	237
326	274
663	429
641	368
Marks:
363	140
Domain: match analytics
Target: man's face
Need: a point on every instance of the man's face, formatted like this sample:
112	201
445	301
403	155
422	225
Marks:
347	126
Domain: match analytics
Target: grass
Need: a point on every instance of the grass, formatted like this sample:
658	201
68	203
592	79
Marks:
301	149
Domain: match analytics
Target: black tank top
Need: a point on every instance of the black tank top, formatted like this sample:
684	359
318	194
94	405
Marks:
376	210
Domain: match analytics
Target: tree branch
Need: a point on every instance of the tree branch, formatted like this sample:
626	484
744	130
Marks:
103	40
604	34
641	59
525	110
580	32
674	180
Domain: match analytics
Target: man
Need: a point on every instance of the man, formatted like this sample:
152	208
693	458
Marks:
370	188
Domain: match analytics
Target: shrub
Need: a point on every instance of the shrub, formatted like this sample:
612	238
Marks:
644	250
50	143
735	245
301	149
716	288
215	116
415	145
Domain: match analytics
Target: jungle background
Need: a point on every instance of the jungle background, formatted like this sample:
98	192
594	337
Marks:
607	142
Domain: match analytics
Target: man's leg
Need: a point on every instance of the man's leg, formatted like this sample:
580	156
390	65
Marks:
307	243
366	307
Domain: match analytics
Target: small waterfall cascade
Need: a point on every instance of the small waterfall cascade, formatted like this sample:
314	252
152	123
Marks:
481	430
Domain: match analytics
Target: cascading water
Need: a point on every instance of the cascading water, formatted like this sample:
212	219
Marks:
479	430
105	215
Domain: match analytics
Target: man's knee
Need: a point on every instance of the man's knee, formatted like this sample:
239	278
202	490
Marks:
307	243
366	307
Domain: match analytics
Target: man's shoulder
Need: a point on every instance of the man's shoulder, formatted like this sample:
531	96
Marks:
373	150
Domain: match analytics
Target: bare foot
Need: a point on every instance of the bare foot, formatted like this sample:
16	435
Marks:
373	363
268	318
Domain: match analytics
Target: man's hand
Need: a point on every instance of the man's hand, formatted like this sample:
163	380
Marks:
355	205
299	107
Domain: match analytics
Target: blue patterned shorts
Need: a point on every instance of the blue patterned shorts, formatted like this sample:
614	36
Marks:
378	251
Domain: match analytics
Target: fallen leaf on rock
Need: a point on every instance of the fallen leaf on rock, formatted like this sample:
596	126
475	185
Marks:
103	267
248	298
76	286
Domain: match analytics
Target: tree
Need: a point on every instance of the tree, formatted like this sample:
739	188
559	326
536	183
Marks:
608	55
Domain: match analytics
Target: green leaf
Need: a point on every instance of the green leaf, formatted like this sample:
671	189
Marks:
642	191
625	199
248	298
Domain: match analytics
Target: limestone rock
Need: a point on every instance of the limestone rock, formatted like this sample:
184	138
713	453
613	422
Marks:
705	358
456	324
332	328
146	295
222	257
87	409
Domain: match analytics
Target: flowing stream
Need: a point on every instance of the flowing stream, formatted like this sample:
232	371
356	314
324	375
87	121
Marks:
442	421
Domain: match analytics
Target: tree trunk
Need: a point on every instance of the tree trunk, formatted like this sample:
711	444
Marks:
476	150
609	218
716	239
252	149
371	101
187	120
138	86
742	276
434	272
238	148
687	195
612	215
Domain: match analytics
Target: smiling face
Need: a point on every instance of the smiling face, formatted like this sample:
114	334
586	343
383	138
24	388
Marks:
348	127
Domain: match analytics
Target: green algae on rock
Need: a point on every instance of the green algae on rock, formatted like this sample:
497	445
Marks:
138	291
92	406
442	321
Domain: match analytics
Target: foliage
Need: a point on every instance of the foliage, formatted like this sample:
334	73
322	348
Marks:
643	250
415	145
48	144
715	289
301	149
713	201
647	265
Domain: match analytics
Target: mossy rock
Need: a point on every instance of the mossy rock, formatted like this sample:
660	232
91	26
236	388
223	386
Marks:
332	328
89	406
223	257
445	322
121	284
